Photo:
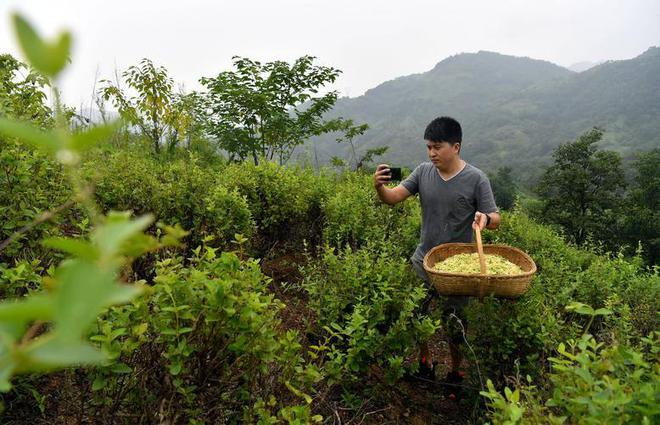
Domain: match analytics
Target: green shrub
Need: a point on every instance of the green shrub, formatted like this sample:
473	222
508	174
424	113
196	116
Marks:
124	180
529	330
30	185
207	339
175	192
22	279
589	383
597	385
508	337
354	215
567	274
284	201
367	302
627	288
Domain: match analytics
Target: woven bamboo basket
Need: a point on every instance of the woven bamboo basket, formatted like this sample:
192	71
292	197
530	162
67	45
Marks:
480	285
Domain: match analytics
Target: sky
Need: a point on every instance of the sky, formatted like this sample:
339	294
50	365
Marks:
370	41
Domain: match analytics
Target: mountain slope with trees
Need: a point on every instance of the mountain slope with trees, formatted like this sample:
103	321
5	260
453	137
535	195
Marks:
514	110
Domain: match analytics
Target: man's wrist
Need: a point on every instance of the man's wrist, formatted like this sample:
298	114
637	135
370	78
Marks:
487	220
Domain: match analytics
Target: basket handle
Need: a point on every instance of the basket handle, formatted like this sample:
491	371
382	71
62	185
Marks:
482	261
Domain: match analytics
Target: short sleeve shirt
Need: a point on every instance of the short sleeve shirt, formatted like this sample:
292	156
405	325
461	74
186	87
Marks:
448	206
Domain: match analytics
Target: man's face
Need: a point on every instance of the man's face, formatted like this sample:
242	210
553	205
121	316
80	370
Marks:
442	154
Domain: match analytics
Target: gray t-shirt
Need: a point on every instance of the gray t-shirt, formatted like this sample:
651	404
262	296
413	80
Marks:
448	207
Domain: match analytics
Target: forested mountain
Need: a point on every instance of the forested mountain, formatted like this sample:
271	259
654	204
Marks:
514	110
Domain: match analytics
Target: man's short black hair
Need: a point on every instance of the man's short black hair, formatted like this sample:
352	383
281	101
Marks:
444	129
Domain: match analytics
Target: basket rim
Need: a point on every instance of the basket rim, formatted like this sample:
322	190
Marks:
478	275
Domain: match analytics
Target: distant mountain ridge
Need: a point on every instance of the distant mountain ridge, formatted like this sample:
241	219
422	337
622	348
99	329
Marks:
514	110
583	66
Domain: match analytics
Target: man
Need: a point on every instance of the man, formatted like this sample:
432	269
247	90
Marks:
456	197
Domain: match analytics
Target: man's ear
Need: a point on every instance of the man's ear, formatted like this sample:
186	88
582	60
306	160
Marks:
457	148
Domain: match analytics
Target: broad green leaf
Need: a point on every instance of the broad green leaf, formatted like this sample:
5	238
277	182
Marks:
60	52
47	58
516	413
99	383
123	293
56	353
602	312
12	330
175	368
7	368
83	290
140	244
30	134
580	308
75	247
121	368
93	136
118	229
31	308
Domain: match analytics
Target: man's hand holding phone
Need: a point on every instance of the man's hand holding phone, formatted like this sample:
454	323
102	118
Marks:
384	175
390	195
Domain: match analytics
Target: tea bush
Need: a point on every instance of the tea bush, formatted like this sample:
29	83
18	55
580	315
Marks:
30	185
175	192
569	274
594	384
367	302
21	279
589	383
520	336
355	216
285	201
508	337
207	339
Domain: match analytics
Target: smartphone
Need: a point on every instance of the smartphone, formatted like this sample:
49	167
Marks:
395	174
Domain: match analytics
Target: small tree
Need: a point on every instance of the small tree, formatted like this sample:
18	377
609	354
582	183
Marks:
161	115
583	189
266	110
23	96
642	220
504	188
352	131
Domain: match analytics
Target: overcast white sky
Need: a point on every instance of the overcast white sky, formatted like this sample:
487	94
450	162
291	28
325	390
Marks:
371	41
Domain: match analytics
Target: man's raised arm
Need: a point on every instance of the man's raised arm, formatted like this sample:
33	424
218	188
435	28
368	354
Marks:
389	196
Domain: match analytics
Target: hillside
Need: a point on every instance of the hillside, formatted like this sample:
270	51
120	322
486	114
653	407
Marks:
514	110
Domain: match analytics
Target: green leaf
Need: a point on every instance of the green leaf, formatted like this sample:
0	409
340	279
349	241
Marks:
118	229
602	312
75	247
55	353
35	307
121	368
516	413
83	291
47	58
580	308
123	293
93	136
99	383
297	392
175	368
30	134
